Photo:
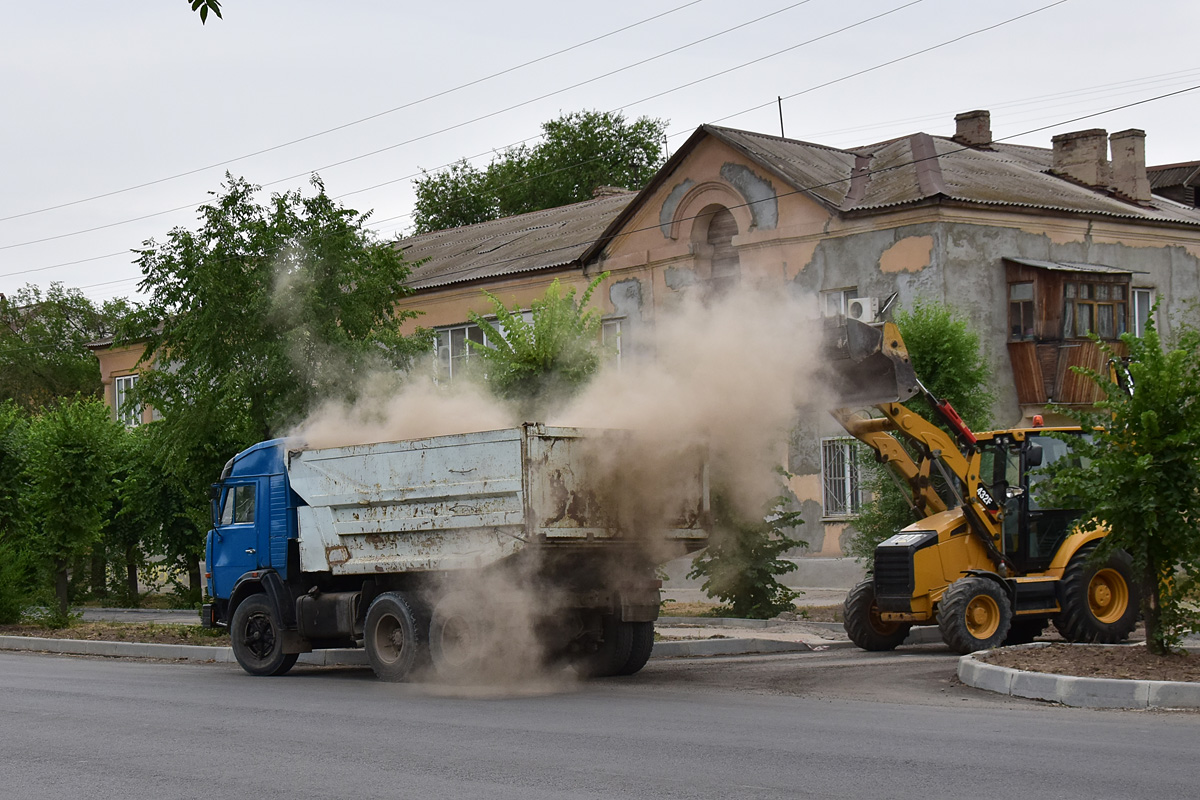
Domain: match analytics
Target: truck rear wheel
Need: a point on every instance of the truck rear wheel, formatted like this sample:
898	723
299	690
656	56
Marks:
613	652
392	637
1099	599
254	634
860	618
641	635
975	614
462	637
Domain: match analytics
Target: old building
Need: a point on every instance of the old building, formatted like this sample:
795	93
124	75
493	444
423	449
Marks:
1039	247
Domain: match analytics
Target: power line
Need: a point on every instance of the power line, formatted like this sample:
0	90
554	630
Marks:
345	125
448	128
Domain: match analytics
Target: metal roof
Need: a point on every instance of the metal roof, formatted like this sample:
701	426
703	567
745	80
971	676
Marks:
1174	175
1074	266
525	243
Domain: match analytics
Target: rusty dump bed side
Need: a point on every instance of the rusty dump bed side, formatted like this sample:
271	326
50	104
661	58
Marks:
465	501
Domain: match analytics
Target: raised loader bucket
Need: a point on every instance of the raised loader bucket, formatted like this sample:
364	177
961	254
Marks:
869	364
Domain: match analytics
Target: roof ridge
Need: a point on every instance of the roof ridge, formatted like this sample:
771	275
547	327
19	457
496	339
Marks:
784	139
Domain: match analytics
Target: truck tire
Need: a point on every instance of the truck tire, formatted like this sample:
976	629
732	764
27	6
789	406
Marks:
613	652
641	635
1099	600
975	614
392	637
860	618
461	637
1024	630
254	634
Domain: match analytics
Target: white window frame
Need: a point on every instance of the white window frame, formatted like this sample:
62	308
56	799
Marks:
841	481
128	414
443	338
1137	324
611	334
835	302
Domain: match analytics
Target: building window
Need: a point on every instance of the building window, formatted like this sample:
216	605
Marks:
842	487
129	413
1098	308
611	331
1020	310
452	354
1143	304
835	303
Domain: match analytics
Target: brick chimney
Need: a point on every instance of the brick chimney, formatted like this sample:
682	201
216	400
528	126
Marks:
1083	156
1129	164
973	128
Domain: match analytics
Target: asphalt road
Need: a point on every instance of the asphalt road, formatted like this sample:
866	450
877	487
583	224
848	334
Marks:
832	724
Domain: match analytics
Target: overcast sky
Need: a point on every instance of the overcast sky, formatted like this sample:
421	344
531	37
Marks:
100	97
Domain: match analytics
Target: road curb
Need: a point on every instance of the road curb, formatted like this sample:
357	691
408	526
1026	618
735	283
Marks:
351	657
1075	691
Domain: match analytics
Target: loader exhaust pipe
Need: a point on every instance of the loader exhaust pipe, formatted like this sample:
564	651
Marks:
869	364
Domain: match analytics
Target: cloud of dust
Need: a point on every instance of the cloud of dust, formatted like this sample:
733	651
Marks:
731	377
734	375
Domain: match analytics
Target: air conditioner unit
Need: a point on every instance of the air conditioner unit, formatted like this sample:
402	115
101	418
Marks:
863	309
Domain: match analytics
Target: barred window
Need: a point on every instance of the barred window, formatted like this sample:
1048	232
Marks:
842	487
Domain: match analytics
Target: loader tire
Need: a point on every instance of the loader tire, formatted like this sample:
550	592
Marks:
612	653
392	637
1024	630
254	633
860	617
974	614
641	636
1099	599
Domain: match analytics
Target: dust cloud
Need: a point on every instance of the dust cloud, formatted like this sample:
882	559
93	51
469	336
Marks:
730	377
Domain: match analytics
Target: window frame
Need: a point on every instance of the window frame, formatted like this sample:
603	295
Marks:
1137	325
842	296
1025	306
850	501
615	340
1082	296
127	413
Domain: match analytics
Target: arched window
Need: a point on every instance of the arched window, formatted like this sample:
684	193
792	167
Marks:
726	267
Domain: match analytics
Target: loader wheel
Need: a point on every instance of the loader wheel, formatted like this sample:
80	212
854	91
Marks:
254	635
975	614
1099	600
612	653
641	636
860	617
392	637
1024	630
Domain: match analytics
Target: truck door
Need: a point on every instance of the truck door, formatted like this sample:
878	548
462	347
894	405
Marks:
239	535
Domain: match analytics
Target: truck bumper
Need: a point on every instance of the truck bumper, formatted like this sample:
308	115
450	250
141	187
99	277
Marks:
208	617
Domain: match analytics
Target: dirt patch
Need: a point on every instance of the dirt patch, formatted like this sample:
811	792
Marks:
671	608
1130	662
125	632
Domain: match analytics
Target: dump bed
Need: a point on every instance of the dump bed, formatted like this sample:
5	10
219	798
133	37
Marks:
468	500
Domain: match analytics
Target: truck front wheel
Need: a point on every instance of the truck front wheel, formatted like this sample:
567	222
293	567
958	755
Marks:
254	633
392	637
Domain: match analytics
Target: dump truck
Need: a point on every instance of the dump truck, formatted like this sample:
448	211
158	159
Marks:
427	552
988	560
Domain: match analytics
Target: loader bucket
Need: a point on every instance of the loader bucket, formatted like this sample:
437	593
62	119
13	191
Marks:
869	364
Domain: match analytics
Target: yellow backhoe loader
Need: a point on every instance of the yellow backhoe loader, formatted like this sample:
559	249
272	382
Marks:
988	560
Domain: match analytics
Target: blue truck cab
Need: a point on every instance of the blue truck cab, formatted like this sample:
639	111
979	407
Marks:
252	542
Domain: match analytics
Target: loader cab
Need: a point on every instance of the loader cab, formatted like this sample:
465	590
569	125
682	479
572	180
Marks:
1015	465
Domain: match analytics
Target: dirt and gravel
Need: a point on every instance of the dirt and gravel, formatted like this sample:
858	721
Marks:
124	632
1131	662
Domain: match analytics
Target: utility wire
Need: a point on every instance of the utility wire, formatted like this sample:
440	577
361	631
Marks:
448	128
345	125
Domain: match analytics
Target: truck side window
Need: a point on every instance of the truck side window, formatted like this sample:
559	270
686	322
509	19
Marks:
243	504
227	509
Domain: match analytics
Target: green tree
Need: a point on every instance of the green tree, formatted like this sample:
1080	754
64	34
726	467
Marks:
948	359
71	457
43	344
14	578
255	317
1140	476
742	564
205	6
579	152
537	362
